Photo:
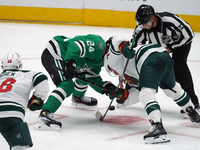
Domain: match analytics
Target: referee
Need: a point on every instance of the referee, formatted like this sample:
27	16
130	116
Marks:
173	33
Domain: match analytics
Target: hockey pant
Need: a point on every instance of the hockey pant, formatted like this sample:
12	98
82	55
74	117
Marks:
15	132
182	72
63	88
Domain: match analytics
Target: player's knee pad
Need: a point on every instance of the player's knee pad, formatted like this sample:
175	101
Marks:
174	93
147	95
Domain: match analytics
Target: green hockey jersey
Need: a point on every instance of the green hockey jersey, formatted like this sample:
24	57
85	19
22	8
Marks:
86	50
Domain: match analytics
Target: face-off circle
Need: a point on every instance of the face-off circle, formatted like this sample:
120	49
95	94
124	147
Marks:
123	120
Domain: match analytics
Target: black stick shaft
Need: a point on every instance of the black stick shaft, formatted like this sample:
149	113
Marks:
102	118
76	76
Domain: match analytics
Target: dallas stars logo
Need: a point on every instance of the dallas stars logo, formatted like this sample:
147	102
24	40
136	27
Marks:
87	70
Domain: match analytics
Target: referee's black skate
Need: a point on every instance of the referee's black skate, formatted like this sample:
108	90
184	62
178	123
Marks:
157	134
192	113
45	121
197	108
83	101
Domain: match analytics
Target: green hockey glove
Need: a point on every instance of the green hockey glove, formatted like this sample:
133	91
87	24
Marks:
126	50
120	94
35	103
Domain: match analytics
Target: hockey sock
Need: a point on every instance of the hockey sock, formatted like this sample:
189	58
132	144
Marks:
52	104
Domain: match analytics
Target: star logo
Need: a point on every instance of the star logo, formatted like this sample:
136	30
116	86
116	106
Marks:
84	69
88	70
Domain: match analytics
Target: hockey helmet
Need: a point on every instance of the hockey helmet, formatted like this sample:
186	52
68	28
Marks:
11	61
144	14
108	42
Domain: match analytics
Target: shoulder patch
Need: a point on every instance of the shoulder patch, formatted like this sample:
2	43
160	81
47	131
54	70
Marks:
101	46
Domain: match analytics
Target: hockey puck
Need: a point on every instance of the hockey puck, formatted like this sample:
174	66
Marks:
111	108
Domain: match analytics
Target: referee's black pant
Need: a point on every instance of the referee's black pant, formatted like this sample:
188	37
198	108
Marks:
182	72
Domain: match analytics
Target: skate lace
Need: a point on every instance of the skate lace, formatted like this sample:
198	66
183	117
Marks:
50	115
86	99
152	128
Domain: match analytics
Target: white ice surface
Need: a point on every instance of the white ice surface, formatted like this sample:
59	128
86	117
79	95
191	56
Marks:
122	129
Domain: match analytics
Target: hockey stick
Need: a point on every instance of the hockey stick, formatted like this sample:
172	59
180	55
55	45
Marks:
77	76
98	115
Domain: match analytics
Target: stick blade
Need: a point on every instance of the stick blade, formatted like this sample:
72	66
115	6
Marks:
99	116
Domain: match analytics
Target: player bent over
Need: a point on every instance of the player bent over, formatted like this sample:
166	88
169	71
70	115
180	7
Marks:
15	88
82	54
155	69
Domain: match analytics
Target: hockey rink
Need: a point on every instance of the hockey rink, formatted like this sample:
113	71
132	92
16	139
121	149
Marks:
123	128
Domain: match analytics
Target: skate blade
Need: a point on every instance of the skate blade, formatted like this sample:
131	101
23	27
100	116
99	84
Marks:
185	116
160	139
42	126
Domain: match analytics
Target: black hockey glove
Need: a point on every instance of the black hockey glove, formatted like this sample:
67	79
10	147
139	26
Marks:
108	85
35	103
69	69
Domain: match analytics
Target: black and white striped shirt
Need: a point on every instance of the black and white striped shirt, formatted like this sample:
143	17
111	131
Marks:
171	31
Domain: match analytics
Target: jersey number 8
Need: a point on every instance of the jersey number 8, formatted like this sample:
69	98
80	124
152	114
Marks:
7	85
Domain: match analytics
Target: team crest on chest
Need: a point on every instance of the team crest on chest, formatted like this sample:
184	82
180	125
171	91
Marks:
101	46
87	69
84	69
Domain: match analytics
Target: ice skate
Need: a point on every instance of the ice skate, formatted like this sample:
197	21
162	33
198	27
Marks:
184	114
194	116
83	101
157	134
197	108
45	121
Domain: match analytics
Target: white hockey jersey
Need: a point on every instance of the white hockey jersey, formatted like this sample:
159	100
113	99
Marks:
117	61
15	89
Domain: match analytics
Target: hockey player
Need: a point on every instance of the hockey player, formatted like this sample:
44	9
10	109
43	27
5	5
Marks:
15	88
173	33
154	67
83	54
114	63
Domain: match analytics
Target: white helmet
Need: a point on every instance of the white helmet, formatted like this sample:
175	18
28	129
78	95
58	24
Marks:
11	61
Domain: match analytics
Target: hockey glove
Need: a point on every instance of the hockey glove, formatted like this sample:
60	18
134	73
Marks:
120	94
108	86
35	103
69	69
126	51
113	92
